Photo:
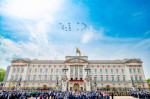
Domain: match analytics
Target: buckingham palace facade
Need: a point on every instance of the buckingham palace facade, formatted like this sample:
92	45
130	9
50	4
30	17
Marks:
75	73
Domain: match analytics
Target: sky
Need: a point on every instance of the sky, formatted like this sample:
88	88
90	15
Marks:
52	29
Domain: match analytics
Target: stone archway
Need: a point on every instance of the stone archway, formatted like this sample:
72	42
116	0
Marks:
76	86
44	86
108	87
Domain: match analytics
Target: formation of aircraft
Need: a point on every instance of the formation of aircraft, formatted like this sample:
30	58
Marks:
80	26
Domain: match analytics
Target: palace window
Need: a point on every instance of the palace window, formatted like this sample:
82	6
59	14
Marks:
140	78
76	78
76	70
95	78
34	78
22	70
80	77
130	70
51	79
40	70
138	70
45	78
90	71
101	71
40	78
95	70
106	71
101	78
62	70
28	78
136	79
57	78
51	71
30	70
90	78
112	71
56	70
117	71
12	78
35	70
46	70
71	70
134	70
131	78
112	78
18	70
80	70
71	78
124	79
118	78
106	78
20	78
16	78
123	71
14	70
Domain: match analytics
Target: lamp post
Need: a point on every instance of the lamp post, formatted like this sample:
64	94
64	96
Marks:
19	84
87	69
133	87
57	84
64	81
95	84
88	84
65	69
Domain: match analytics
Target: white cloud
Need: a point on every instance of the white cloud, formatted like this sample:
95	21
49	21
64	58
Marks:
30	9
146	33
87	37
138	13
92	34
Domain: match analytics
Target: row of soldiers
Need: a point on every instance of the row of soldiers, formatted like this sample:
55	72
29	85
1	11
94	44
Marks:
53	95
140	94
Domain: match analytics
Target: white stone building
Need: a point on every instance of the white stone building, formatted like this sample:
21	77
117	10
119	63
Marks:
76	73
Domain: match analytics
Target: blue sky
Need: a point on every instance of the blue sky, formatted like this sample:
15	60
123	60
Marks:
115	29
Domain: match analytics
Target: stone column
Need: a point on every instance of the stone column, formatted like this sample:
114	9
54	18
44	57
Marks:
25	72
68	72
84	72
78	73
143	77
10	73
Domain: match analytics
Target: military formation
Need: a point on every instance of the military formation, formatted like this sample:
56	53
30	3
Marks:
52	95
140	94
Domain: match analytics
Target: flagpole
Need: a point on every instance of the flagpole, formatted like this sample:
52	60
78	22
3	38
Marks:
76	51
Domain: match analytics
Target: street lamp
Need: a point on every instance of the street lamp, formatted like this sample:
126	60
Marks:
19	83
57	84
65	69
87	69
133	84
95	85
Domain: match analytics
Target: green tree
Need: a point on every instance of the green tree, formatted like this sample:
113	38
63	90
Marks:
148	80
2	74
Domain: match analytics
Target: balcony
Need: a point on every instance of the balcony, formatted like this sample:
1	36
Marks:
76	80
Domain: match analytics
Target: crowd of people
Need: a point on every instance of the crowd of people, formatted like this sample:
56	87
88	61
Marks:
53	95
47	94
140	94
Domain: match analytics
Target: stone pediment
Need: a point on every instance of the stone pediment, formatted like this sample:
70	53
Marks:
19	61
133	61
76	60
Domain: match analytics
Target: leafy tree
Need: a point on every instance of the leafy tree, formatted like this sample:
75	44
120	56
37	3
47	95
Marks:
2	74
148	80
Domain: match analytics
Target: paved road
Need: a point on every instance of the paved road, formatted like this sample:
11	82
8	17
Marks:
115	97
124	97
